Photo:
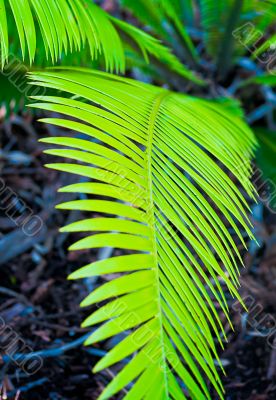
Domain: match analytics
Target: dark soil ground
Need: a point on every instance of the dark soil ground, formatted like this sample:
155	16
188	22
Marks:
41	307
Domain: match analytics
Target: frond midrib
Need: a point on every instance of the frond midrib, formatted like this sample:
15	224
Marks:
151	218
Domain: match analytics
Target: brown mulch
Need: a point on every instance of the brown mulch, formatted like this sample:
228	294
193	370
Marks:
39	305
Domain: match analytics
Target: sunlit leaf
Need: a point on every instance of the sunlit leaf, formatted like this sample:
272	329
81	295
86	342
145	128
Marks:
161	159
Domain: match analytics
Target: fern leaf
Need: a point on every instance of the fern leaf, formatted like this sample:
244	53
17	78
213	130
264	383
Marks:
155	159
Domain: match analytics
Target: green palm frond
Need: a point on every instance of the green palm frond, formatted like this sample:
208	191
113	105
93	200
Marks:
257	37
212	21
227	45
172	9
265	161
64	26
230	105
67	25
223	23
157	14
187	11
220	19
154	155
269	45
153	47
266	12
265	79
70	33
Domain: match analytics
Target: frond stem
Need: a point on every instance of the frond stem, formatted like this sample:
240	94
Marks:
151	216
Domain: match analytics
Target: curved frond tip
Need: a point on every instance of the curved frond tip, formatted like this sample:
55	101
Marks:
161	161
